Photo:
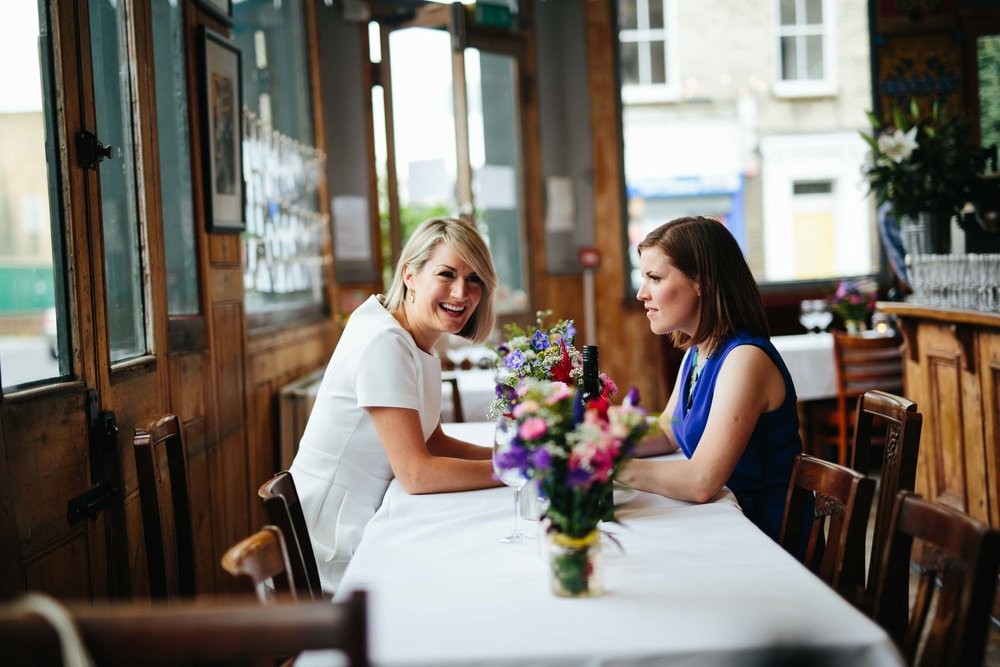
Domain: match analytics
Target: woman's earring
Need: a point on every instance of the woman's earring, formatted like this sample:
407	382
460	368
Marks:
413	298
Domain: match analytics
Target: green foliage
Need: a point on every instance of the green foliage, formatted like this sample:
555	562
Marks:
921	162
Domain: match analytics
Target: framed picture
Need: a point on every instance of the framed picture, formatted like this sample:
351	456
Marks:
221	132
220	9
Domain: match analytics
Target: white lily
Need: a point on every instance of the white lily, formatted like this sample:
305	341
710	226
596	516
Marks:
898	146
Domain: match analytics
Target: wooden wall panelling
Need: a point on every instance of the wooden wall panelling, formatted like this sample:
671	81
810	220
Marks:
989	372
630	353
230	484
954	422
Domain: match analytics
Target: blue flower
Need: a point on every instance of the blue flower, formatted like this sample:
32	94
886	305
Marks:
539	341
514	457
570	333
514	360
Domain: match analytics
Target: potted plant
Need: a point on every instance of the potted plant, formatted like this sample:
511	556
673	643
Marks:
924	168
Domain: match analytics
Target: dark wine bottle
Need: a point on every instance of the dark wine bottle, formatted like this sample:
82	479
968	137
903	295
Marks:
591	387
590	391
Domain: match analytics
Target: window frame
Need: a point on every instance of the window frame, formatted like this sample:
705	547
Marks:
828	84
669	35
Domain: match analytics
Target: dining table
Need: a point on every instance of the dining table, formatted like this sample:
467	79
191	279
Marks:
809	358
685	584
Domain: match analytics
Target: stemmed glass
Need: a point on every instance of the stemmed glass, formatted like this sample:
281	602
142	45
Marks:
511	476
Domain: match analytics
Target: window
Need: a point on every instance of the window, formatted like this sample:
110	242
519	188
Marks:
805	61
648	50
781	172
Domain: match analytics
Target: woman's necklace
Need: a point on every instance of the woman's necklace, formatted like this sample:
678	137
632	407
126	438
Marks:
696	366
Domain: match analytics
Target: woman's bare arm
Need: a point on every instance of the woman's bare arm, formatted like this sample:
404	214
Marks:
749	384
413	464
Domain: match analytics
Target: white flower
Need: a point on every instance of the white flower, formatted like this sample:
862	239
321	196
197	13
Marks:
898	146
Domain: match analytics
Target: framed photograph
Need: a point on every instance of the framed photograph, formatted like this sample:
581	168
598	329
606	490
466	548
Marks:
220	9
221	132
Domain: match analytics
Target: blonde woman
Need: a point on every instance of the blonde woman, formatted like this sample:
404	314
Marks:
378	411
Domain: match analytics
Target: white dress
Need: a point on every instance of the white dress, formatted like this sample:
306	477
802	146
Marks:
341	470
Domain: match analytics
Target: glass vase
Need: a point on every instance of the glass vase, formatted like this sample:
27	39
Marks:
575	565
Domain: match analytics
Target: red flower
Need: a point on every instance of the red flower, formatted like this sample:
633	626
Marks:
561	370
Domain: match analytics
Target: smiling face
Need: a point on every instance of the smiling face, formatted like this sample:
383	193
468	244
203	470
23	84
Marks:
446	292
672	300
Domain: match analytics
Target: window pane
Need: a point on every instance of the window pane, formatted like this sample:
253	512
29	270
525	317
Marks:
495	156
33	341
789	67
814	11
787	12
989	89
627	19
119	219
629	61
272	37
814	56
424	124
655	14
175	162
657	63
281	169
782	174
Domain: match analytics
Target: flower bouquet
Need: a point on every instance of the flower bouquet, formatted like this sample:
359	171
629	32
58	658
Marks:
572	452
854	298
547	353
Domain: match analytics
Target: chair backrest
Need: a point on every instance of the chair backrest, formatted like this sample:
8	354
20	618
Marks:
901	423
263	559
161	466
188	632
281	502
843	499
957	568
862	364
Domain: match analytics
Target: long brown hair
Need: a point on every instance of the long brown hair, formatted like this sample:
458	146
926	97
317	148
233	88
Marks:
705	251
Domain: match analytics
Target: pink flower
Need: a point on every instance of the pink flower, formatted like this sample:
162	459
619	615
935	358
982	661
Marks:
533	428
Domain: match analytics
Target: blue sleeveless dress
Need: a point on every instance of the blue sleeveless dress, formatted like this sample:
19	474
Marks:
760	479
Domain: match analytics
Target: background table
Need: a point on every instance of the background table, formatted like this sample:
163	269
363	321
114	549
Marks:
697	585
810	361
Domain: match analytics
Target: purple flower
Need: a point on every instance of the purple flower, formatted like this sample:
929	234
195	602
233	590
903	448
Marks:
514	360
570	333
539	341
514	457
506	392
540	459
577	477
632	397
503	350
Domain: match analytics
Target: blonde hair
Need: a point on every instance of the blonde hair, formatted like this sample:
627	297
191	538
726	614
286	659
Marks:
468	243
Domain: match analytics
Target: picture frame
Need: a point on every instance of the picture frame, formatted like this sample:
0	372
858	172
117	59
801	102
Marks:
220	87
219	9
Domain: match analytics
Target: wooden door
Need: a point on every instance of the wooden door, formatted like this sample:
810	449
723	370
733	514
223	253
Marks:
69	502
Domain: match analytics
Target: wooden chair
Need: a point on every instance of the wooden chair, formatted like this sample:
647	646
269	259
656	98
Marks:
281	502
161	466
843	500
189	632
900	425
263	559
957	569
862	364
450	378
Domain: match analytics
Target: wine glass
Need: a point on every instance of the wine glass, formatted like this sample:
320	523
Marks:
511	476
808	312
824	318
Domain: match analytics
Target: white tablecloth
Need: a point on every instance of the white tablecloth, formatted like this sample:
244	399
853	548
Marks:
809	358
810	361
697	585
